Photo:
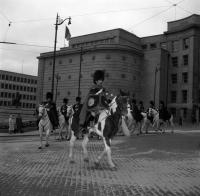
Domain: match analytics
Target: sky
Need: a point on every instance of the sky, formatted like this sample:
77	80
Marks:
32	24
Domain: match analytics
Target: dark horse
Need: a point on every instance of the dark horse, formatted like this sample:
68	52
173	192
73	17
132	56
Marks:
106	127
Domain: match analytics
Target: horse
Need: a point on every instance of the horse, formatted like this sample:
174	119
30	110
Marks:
134	121
152	117
65	126
44	124
106	127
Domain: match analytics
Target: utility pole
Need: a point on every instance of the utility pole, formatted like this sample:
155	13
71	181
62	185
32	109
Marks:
155	83
80	67
54	56
58	22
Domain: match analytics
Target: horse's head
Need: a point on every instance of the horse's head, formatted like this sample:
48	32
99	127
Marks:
152	112
41	109
120	103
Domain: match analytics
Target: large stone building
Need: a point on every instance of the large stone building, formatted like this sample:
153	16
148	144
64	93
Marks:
161	67
15	84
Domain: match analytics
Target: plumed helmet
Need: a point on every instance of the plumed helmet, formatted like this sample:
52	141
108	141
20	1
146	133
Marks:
98	75
49	95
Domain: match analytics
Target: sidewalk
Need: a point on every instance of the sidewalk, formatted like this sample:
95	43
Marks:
178	129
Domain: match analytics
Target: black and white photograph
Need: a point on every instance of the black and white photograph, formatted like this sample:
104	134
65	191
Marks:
100	98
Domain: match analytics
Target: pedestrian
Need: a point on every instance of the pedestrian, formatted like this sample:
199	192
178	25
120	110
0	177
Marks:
95	101
19	124
11	123
75	122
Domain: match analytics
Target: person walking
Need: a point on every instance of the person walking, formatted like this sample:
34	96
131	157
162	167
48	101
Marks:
19	123
11	123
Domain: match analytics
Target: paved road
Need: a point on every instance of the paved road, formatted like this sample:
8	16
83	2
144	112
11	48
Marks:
162	164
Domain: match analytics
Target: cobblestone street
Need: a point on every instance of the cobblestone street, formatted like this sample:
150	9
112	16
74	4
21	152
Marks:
154	164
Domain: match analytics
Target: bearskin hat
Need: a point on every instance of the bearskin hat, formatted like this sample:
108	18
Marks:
152	103
78	99
49	95
98	75
65	100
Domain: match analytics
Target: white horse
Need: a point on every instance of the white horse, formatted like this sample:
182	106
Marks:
106	127
44	124
65	126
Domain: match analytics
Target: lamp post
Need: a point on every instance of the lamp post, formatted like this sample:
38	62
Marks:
155	83
54	52
57	78
80	67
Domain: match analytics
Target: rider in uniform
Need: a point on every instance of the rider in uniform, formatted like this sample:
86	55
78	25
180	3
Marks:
50	106
151	106
95	101
77	110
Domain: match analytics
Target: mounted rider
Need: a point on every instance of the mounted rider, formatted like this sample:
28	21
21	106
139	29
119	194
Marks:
150	117
95	101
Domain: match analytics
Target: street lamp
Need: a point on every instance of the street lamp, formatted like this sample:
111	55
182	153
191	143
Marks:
80	67
155	82
57	76
58	22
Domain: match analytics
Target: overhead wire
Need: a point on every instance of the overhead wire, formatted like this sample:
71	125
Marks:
141	22
92	13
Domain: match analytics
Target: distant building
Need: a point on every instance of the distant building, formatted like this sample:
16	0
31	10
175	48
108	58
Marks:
17	94
161	67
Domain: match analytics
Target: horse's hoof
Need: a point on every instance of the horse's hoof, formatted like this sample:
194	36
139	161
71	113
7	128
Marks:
113	168
86	160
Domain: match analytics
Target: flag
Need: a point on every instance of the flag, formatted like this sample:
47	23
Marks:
67	34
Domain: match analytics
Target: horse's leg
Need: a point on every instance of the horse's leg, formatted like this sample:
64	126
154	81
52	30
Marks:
40	132
71	147
47	136
107	143
140	127
99	157
84	145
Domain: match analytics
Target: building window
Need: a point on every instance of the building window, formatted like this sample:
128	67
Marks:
3	77
60	62
49	78
10	78
70	60
123	75
185	77
175	61
185	59
93	58
2	85
6	77
186	43
22	79
175	46
153	46
123	58
184	96
68	93
69	77
107	75
108	56
174	78
163	45
173	96
184	112
144	47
